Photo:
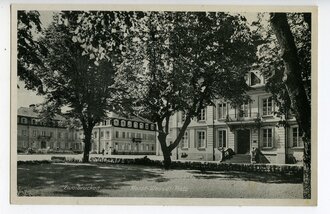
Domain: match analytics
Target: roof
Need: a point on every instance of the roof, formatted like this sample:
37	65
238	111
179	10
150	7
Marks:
134	118
30	112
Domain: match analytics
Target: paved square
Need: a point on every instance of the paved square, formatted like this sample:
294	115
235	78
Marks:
114	180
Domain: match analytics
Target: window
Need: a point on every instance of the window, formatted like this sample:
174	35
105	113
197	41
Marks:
138	135
102	134
201	115
95	135
222	110
267	138
43	133
123	123
201	139
66	135
123	134
51	134
59	135
117	134
128	135
147	147
142	147
33	121
296	137
107	134
222	138
24	120
244	110
144	136
133	135
255	79
267	106
24	132
34	133
185	140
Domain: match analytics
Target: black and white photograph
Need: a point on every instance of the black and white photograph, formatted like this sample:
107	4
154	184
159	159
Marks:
177	105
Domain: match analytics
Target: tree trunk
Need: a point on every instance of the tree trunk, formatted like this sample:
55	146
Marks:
295	87
307	192
88	143
165	150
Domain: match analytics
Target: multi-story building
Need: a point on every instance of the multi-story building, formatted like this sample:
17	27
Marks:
119	135
34	134
252	125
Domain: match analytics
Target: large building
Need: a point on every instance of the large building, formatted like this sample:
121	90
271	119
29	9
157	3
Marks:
33	134
124	136
253	125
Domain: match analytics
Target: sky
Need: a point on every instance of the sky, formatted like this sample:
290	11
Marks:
27	97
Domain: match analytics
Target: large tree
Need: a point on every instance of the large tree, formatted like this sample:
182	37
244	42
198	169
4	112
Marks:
73	78
183	61
285	58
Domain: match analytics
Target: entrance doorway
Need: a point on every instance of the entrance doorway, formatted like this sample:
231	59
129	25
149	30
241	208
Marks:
243	141
43	144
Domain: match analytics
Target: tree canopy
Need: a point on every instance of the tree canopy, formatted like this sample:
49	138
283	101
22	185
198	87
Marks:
29	50
183	61
72	77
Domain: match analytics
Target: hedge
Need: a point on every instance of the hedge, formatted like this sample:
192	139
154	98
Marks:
288	170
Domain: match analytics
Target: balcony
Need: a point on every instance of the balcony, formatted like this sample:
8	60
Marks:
240	120
241	116
42	137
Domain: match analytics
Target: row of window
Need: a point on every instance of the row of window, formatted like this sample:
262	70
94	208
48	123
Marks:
267	138
124	123
24	120
51	145
243	111
133	147
60	135
125	135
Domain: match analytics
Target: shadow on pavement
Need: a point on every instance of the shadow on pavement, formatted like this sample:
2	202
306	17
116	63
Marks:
246	176
80	179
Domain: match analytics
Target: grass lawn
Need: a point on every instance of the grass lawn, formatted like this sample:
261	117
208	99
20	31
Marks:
114	180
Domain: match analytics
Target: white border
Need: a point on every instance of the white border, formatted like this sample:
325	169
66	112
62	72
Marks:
323	107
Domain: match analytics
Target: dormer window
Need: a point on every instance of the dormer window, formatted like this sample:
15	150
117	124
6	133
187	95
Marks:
255	78
23	120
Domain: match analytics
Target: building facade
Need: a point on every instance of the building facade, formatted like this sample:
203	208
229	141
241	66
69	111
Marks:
35	135
251	126
124	136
